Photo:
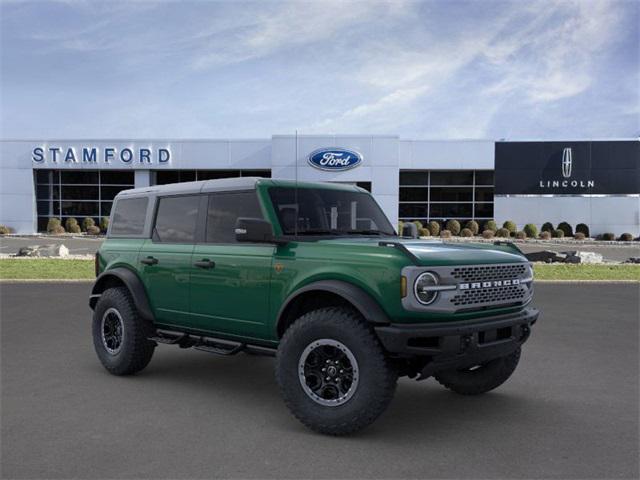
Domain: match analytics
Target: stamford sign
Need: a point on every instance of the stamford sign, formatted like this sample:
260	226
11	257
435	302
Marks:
334	159
94	155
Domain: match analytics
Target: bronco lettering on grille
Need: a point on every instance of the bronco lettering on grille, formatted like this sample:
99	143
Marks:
491	284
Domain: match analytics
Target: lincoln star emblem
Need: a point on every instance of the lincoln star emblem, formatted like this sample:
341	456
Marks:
567	160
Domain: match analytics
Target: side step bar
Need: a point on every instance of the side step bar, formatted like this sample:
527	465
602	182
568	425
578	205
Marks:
219	346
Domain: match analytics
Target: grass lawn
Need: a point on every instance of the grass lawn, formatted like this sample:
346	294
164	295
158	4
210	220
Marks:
83	269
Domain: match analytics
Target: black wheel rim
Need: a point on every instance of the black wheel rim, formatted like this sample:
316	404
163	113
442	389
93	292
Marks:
112	330
328	372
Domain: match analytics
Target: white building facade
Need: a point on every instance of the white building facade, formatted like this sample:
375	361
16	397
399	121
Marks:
591	182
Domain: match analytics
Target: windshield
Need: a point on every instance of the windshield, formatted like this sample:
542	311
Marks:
328	212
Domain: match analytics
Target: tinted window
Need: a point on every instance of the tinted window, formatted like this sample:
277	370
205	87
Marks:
128	217
176	219
224	210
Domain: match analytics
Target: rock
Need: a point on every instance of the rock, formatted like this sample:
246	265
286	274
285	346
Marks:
30	251
546	256
632	260
583	257
51	250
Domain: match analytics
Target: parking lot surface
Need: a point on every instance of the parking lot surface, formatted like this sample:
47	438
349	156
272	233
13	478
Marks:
569	411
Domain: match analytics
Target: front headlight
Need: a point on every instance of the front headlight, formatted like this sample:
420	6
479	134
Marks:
425	288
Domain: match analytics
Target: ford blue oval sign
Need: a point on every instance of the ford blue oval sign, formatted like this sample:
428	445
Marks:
334	159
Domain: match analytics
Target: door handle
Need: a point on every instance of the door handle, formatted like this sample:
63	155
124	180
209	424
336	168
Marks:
149	261
205	263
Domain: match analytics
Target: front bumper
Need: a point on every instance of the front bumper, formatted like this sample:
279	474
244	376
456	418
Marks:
452	345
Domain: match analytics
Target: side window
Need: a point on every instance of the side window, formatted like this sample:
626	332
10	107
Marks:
176	219
224	210
128	217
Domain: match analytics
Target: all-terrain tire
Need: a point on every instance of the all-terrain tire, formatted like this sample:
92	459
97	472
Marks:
376	377
481	379
135	350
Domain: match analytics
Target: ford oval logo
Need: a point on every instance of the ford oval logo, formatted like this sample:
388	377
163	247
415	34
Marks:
334	159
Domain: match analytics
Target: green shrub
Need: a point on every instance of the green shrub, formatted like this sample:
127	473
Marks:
488	234
93	230
511	226
466	232
566	228
445	234
583	228
626	237
491	225
71	225
88	222
547	227
473	226
521	235
434	227
400	227
608	236
57	230
557	233
424	232
453	226
531	230
545	235
104	224
52	224
418	224
503	233
4	230
579	236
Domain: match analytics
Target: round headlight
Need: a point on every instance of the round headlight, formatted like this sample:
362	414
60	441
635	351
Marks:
423	288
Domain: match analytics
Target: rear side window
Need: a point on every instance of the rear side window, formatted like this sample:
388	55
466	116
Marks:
224	210
128	217
176	219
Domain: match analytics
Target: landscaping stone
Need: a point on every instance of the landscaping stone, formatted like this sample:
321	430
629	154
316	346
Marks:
52	250
632	260
546	256
583	257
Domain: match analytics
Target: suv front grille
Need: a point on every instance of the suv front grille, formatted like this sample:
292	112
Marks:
488	272
494	295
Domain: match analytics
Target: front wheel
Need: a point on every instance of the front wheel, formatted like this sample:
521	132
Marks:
333	373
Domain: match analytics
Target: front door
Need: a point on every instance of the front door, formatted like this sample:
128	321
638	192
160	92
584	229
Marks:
165	259
230	281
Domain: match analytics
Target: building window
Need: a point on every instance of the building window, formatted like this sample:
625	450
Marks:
162	177
446	194
79	194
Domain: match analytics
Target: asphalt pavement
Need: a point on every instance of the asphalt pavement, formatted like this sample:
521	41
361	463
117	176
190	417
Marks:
570	410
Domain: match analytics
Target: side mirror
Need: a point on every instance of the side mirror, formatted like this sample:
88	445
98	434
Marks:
254	230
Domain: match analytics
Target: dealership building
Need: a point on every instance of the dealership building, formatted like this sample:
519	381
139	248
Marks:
596	182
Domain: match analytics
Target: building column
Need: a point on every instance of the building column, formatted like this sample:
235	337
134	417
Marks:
142	178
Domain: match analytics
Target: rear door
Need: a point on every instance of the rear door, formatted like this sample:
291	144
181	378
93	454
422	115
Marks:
165	259
230	281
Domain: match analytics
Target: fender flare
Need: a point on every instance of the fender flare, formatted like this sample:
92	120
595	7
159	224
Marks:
356	296
132	282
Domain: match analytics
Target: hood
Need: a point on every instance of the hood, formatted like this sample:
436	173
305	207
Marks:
436	252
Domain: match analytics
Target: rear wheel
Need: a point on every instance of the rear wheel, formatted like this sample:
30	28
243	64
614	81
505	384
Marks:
333	373
480	378
120	334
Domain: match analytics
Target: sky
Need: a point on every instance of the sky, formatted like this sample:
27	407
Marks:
421	70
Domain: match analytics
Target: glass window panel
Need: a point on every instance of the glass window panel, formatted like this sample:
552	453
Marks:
414	178
416	194
56	207
256	173
117	177
453	177
215	174
43	191
77	192
224	210
176	219
129	217
43	208
42	224
449	194
74	177
167	176
484	194
105	209
451	210
109	192
42	176
414	210
80	209
365	185
484	177
484	210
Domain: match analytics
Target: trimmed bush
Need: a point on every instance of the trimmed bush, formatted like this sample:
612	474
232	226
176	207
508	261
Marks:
488	234
491	225
521	235
93	230
557	233
545	235
104	224
434	228
547	227
5	230
583	228
466	232
453	226
511	226
57	230
531	230
566	228
52	224
473	226
445	234
400	227
71	225
418	224
579	236
608	236
503	233
88	222
626	237
424	232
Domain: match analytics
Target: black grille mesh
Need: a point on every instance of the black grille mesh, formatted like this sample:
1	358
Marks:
510	294
488	272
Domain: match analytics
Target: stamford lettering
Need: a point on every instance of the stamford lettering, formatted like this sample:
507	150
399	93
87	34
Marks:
108	155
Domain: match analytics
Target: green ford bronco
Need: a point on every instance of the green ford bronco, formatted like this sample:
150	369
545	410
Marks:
315	275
